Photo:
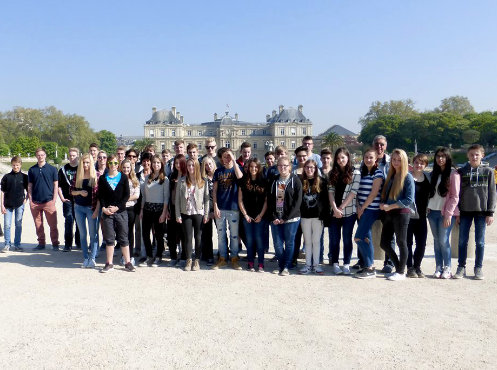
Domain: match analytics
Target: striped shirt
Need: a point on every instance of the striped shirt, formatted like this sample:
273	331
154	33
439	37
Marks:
365	187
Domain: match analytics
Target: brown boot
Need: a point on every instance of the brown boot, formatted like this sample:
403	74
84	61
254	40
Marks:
220	263
196	265
188	266
235	264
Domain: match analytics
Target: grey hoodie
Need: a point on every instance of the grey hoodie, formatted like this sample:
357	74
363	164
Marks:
477	190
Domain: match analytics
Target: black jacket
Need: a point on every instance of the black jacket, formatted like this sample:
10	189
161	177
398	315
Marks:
293	199
117	197
14	185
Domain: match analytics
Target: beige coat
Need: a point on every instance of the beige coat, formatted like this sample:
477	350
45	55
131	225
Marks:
201	198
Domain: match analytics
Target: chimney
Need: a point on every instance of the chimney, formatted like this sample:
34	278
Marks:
215	116
300	108
154	109
267	117
281	108
173	110
178	116
274	113
236	116
181	119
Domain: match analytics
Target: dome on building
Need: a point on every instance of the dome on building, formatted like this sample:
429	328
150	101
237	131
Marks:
162	116
289	114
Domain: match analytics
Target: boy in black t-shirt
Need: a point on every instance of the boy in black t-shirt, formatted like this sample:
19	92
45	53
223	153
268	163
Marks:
66	175
14	189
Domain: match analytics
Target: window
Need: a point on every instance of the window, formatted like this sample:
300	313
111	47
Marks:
173	132
199	144
227	144
293	145
264	132
243	132
282	142
151	133
199	133
254	145
189	133
253	132
162	146
304	130
293	131
282	131
162	133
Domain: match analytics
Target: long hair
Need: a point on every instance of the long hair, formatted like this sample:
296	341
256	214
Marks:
316	186
181	159
398	178
258	175
364	168
196	174
337	173
443	188
80	173
162	175
204	161
132	175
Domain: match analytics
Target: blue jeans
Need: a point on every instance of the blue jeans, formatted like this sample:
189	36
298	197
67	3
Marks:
363	236
232	218
284	234
480	227
82	215
346	226
17	212
254	234
441	236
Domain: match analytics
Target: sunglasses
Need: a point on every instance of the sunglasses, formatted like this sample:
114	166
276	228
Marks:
112	163
210	146
101	158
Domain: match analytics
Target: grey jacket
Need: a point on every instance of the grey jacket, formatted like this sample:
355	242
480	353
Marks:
201	198
477	192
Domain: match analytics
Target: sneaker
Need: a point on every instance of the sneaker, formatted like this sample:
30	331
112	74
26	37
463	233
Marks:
221	262
149	262
397	277
196	265
438	272
182	263
250	267
460	272
357	266
261	268
446	274
319	270
479	273
157	262
172	263
235	264
387	269
108	267
366	273
411	273
305	270
129	267
55	248
19	249
336	269
285	272
85	264
39	247
210	262
132	260
142	261
346	270
188	265
274	259
67	248
420	273
121	261
92	264
5	249
276	272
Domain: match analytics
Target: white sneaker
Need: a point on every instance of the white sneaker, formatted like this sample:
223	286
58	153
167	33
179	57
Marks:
85	263
319	270
336	269
446	274
5	249
133	261
305	270
438	272
346	269
397	277
92	264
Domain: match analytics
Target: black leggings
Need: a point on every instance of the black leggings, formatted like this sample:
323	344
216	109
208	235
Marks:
192	224
206	241
152	218
175	236
418	229
131	229
395	223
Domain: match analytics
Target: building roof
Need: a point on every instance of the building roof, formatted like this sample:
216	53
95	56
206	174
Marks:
289	114
162	116
339	130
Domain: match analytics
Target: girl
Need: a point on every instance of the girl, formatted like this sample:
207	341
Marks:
417	226
192	206
368	211
154	211
113	193
84	190
283	203
442	209
208	168
344	183
174	234
134	194
397	198
253	205
314	200
142	176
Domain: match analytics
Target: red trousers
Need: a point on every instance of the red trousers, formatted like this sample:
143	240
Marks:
37	210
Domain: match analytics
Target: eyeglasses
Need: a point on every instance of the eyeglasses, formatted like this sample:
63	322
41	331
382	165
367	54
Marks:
101	158
112	163
210	146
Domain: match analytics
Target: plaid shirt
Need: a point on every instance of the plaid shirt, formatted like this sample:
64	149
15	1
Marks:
352	187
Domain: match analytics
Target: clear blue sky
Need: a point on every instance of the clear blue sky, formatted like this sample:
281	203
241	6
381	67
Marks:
112	61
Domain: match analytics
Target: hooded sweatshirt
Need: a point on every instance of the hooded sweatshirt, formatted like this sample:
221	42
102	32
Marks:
477	194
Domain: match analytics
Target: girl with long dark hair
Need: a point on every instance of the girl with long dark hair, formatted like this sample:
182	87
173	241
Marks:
174	232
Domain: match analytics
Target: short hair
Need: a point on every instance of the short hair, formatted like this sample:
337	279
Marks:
131	150
73	150
379	137
40	150
268	154
221	151
178	142
16	159
149	147
93	145
476	147
191	146
326	151
307	138
146	156
166	151
244	145
280	149
121	148
421	157
210	139
300	149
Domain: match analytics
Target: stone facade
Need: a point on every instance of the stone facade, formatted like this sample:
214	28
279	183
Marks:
286	127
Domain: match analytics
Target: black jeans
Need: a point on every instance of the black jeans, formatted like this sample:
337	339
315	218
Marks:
175	236
206	241
69	221
419	229
192	226
395	223
152	218
131	229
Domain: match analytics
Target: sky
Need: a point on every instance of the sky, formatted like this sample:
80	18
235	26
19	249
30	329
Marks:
112	61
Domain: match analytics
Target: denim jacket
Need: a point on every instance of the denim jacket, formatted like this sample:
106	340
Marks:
406	197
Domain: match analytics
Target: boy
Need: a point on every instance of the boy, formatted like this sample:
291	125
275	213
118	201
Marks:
476	202
14	189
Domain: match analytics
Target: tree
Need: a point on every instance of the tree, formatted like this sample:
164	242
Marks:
456	104
470	136
401	108
108	141
332	141
141	144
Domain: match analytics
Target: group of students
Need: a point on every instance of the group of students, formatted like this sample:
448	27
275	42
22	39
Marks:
138	202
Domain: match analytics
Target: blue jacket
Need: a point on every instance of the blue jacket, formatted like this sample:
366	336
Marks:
406	196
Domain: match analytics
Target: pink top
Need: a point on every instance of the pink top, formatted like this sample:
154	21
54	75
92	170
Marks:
452	198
